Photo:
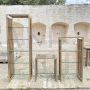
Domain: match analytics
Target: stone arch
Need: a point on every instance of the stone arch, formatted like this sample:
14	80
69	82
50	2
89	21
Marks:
38	32
59	29
82	29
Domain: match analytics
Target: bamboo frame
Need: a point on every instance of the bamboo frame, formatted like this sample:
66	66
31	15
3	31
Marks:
79	57
60	65
18	16
86	58
87	55
10	45
30	48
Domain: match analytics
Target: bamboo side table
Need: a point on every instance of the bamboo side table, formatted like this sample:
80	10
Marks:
45	56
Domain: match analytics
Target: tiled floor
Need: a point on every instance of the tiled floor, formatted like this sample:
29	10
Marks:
42	82
21	81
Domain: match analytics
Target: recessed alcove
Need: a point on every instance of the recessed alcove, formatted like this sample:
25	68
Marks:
38	32
82	29
59	29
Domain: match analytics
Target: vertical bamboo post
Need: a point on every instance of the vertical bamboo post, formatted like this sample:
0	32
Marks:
30	47
60	65
80	59
86	62
10	48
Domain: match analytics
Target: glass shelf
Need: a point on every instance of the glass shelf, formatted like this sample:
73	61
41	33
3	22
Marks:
18	51
68	73
18	39
45	73
18	27
21	74
71	51
71	62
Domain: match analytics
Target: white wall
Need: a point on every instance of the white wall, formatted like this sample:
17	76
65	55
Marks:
48	15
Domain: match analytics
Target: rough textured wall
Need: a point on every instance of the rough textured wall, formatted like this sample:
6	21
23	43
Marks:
48	15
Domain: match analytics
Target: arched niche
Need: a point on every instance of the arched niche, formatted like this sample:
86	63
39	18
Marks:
38	32
82	29
59	29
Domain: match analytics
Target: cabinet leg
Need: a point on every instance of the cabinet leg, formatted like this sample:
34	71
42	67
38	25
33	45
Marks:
55	69
86	58
35	70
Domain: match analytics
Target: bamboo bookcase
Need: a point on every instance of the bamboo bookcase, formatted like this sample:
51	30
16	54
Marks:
10	44
79	52
10	47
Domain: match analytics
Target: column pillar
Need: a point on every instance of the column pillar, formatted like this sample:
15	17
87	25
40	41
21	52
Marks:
48	35
71	33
